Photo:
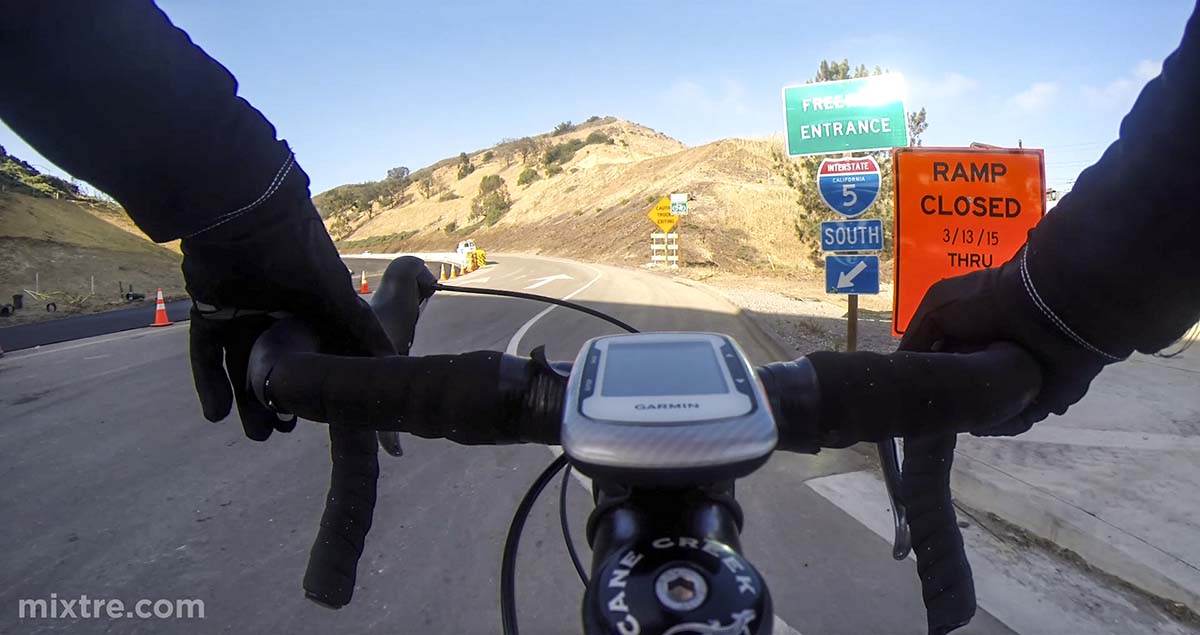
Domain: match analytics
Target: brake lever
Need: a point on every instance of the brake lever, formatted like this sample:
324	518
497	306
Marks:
889	461
398	302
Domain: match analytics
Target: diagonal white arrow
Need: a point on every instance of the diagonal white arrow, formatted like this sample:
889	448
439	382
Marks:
541	282
846	278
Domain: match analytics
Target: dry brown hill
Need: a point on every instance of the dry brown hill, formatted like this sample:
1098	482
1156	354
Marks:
67	243
741	212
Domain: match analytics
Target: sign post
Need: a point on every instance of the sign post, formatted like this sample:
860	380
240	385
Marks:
958	210
843	117
661	215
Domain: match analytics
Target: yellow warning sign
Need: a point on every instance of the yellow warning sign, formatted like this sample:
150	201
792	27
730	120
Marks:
661	215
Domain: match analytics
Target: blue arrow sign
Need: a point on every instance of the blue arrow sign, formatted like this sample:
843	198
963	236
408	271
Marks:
852	235
852	274
848	186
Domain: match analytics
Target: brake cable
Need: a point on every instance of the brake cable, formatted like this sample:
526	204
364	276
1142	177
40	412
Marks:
566	527
540	298
508	562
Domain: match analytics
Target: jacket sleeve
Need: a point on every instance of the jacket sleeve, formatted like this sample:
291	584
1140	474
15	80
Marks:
118	96
1116	264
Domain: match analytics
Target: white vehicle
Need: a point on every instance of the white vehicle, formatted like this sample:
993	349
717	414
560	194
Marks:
465	247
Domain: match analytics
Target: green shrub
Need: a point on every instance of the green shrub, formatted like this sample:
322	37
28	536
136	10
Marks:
489	155
492	202
561	153
490	183
563	128
528	175
598	138
465	166
448	196
451	227
593	118
553	170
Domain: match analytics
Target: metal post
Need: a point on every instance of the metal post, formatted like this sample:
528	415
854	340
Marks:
852	323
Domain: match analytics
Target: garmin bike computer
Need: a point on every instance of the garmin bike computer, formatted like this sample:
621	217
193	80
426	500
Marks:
666	409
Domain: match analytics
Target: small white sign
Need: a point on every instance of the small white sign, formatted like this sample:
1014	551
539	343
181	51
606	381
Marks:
679	205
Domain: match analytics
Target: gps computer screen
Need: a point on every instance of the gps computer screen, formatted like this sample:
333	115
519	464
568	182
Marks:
659	369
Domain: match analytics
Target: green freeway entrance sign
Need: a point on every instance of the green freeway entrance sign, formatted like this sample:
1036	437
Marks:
845	116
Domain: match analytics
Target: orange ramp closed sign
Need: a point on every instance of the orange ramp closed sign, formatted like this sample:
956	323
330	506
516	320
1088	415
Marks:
958	210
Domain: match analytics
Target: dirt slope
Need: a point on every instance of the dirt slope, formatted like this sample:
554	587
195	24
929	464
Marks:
66	244
740	212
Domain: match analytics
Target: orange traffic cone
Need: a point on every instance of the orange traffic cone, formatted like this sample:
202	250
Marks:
364	288
160	312
442	277
453	272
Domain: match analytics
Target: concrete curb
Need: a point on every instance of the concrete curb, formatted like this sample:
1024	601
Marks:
1100	544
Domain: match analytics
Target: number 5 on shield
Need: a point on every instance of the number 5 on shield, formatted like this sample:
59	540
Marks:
850	194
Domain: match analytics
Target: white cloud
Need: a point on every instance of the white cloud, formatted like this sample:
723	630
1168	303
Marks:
949	86
727	97
1036	97
1147	70
1120	93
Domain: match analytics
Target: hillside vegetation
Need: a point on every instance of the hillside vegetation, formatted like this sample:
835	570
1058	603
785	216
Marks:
55	240
583	191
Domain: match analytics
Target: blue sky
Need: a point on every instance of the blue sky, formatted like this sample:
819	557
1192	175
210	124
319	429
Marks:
358	87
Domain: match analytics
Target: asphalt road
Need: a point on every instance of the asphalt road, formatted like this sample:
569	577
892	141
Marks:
14	338
116	487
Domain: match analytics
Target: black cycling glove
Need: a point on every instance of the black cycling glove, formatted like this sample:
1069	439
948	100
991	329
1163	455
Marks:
992	305
275	259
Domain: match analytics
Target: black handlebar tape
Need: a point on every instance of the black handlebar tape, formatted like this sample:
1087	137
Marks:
477	398
926	398
792	390
947	586
870	397
349	508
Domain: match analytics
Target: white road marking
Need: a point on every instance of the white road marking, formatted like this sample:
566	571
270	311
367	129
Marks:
541	282
781	627
513	343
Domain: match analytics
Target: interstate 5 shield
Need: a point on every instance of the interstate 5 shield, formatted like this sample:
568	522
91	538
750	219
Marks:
848	186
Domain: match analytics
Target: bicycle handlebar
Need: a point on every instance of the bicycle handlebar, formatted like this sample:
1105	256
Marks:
825	399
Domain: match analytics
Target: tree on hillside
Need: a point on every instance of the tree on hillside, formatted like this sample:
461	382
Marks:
800	173
465	166
529	148
429	186
563	128
490	183
398	174
492	201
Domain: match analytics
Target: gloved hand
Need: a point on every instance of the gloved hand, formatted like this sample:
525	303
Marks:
275	258
993	305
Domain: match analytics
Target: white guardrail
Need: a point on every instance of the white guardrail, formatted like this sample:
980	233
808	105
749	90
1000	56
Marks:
449	257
